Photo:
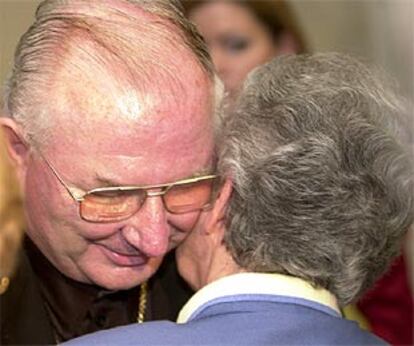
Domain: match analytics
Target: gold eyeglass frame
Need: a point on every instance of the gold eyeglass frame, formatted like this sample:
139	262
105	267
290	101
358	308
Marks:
78	194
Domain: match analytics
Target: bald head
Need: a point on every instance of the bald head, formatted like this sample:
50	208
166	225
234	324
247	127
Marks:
115	49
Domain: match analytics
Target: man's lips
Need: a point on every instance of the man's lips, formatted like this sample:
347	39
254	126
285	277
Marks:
123	259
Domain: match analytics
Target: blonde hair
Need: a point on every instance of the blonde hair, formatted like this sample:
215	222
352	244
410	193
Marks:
11	217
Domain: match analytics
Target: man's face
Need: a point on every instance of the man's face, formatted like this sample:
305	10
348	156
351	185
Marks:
115	138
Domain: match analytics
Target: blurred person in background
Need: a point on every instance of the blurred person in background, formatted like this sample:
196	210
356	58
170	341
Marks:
11	218
244	34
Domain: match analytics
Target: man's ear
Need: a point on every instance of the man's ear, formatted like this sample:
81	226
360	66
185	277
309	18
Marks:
17	148
218	212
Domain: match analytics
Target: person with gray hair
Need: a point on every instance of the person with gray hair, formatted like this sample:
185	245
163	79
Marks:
112	136
317	193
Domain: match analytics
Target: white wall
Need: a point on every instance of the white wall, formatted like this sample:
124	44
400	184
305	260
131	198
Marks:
15	17
381	30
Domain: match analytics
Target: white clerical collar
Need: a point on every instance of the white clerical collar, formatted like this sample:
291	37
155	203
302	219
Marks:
257	283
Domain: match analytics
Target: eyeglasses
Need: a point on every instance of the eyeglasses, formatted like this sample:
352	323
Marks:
112	204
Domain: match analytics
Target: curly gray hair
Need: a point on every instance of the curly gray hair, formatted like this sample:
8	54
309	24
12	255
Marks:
107	35
323	184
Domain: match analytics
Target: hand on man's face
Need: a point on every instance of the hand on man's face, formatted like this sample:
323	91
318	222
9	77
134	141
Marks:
150	149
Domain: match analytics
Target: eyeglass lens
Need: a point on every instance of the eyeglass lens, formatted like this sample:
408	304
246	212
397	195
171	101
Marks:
115	206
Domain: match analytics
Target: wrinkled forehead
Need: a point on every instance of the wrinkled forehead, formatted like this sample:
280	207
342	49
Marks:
165	93
106	116
122	114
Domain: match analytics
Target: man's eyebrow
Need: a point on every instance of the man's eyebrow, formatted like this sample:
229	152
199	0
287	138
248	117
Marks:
205	171
105	181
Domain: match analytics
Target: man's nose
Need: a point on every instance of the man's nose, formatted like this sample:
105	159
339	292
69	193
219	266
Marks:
148	229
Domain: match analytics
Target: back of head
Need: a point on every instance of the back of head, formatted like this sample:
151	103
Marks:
135	44
323	181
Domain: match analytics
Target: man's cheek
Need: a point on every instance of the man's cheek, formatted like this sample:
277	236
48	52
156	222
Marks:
185	223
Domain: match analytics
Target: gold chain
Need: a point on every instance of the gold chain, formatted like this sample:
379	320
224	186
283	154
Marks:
4	284
142	302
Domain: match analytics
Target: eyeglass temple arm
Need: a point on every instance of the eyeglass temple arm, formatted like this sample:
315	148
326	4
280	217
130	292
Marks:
76	194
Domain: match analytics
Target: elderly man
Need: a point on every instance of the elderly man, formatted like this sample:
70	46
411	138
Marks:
317	193
109	120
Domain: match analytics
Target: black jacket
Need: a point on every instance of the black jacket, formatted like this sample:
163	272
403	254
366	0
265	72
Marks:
24	319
